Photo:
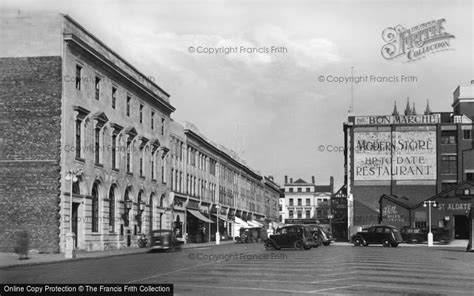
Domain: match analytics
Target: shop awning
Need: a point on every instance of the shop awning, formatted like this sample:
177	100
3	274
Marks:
200	216
223	218
241	222
254	223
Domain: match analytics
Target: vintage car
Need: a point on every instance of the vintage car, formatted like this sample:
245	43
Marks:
291	236
322	235
164	239
387	235
419	235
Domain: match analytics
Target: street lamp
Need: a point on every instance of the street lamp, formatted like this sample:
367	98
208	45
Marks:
218	237
429	204
128	206
70	240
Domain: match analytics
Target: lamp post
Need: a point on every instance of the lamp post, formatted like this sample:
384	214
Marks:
69	251
429	204
128	206
218	237
141	208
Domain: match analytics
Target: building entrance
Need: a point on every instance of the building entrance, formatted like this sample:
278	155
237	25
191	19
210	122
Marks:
461	227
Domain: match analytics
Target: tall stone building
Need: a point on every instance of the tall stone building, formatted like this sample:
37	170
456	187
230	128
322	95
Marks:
393	163
85	139
212	186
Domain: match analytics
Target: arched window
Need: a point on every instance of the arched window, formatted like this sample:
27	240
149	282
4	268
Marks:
112	209
95	207
151	211
75	188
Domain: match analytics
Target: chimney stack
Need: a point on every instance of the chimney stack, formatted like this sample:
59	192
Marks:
286	179
291	180
331	184
313	180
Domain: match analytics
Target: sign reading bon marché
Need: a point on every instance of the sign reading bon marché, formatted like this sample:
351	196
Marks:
401	119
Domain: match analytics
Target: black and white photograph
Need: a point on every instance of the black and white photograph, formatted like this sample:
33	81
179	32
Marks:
217	147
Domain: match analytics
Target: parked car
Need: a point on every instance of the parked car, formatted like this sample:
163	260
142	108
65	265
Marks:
164	239
291	236
379	234
322	235
419	235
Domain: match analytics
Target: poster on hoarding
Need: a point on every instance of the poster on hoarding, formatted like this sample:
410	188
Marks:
397	155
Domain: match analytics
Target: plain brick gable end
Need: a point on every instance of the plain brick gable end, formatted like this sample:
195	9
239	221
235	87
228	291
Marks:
30	120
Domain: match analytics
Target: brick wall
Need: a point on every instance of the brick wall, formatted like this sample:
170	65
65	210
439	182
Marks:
30	120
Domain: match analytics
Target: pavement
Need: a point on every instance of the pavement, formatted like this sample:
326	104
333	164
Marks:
8	260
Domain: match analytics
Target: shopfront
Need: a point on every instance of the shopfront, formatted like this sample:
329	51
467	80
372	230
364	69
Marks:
198	223
448	209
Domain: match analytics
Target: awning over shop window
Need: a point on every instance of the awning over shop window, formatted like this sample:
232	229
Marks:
200	216
241	222
223	218
253	223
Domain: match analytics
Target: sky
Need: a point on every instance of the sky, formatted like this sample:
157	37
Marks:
273	108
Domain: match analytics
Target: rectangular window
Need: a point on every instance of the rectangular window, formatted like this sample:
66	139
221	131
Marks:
128	156
78	139
97	88
152	166
152	123
449	164
163	175
470	177
308	189
300	215
97	146
114	97
300	202
291	189
291	201
141	162
447	185
162	126
448	137
78	77
308	214
114	151
300	189
467	134
141	113
128	105
308	202
290	214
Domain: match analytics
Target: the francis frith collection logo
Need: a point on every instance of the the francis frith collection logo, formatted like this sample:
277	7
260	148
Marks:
416	42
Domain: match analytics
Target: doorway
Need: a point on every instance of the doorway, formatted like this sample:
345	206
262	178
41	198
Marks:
461	227
75	210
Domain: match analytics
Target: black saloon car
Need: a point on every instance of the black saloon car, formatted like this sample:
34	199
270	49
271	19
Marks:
164	239
323	236
291	236
379	234
419	235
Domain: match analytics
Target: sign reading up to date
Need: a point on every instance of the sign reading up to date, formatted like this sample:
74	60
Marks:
397	155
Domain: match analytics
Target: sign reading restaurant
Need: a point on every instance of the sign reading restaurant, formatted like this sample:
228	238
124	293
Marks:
401	119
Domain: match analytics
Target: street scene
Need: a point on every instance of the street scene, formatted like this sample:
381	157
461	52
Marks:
244	147
236	269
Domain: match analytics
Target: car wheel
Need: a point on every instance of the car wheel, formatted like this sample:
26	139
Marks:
307	248
358	242
326	243
298	245
386	243
394	245
269	246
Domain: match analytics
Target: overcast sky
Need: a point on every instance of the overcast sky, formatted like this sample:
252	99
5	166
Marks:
271	107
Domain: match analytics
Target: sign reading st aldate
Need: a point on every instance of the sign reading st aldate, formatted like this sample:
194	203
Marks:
416	42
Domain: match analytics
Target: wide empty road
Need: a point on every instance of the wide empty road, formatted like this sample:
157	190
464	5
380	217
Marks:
250	270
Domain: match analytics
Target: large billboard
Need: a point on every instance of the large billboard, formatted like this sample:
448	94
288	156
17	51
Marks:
403	155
